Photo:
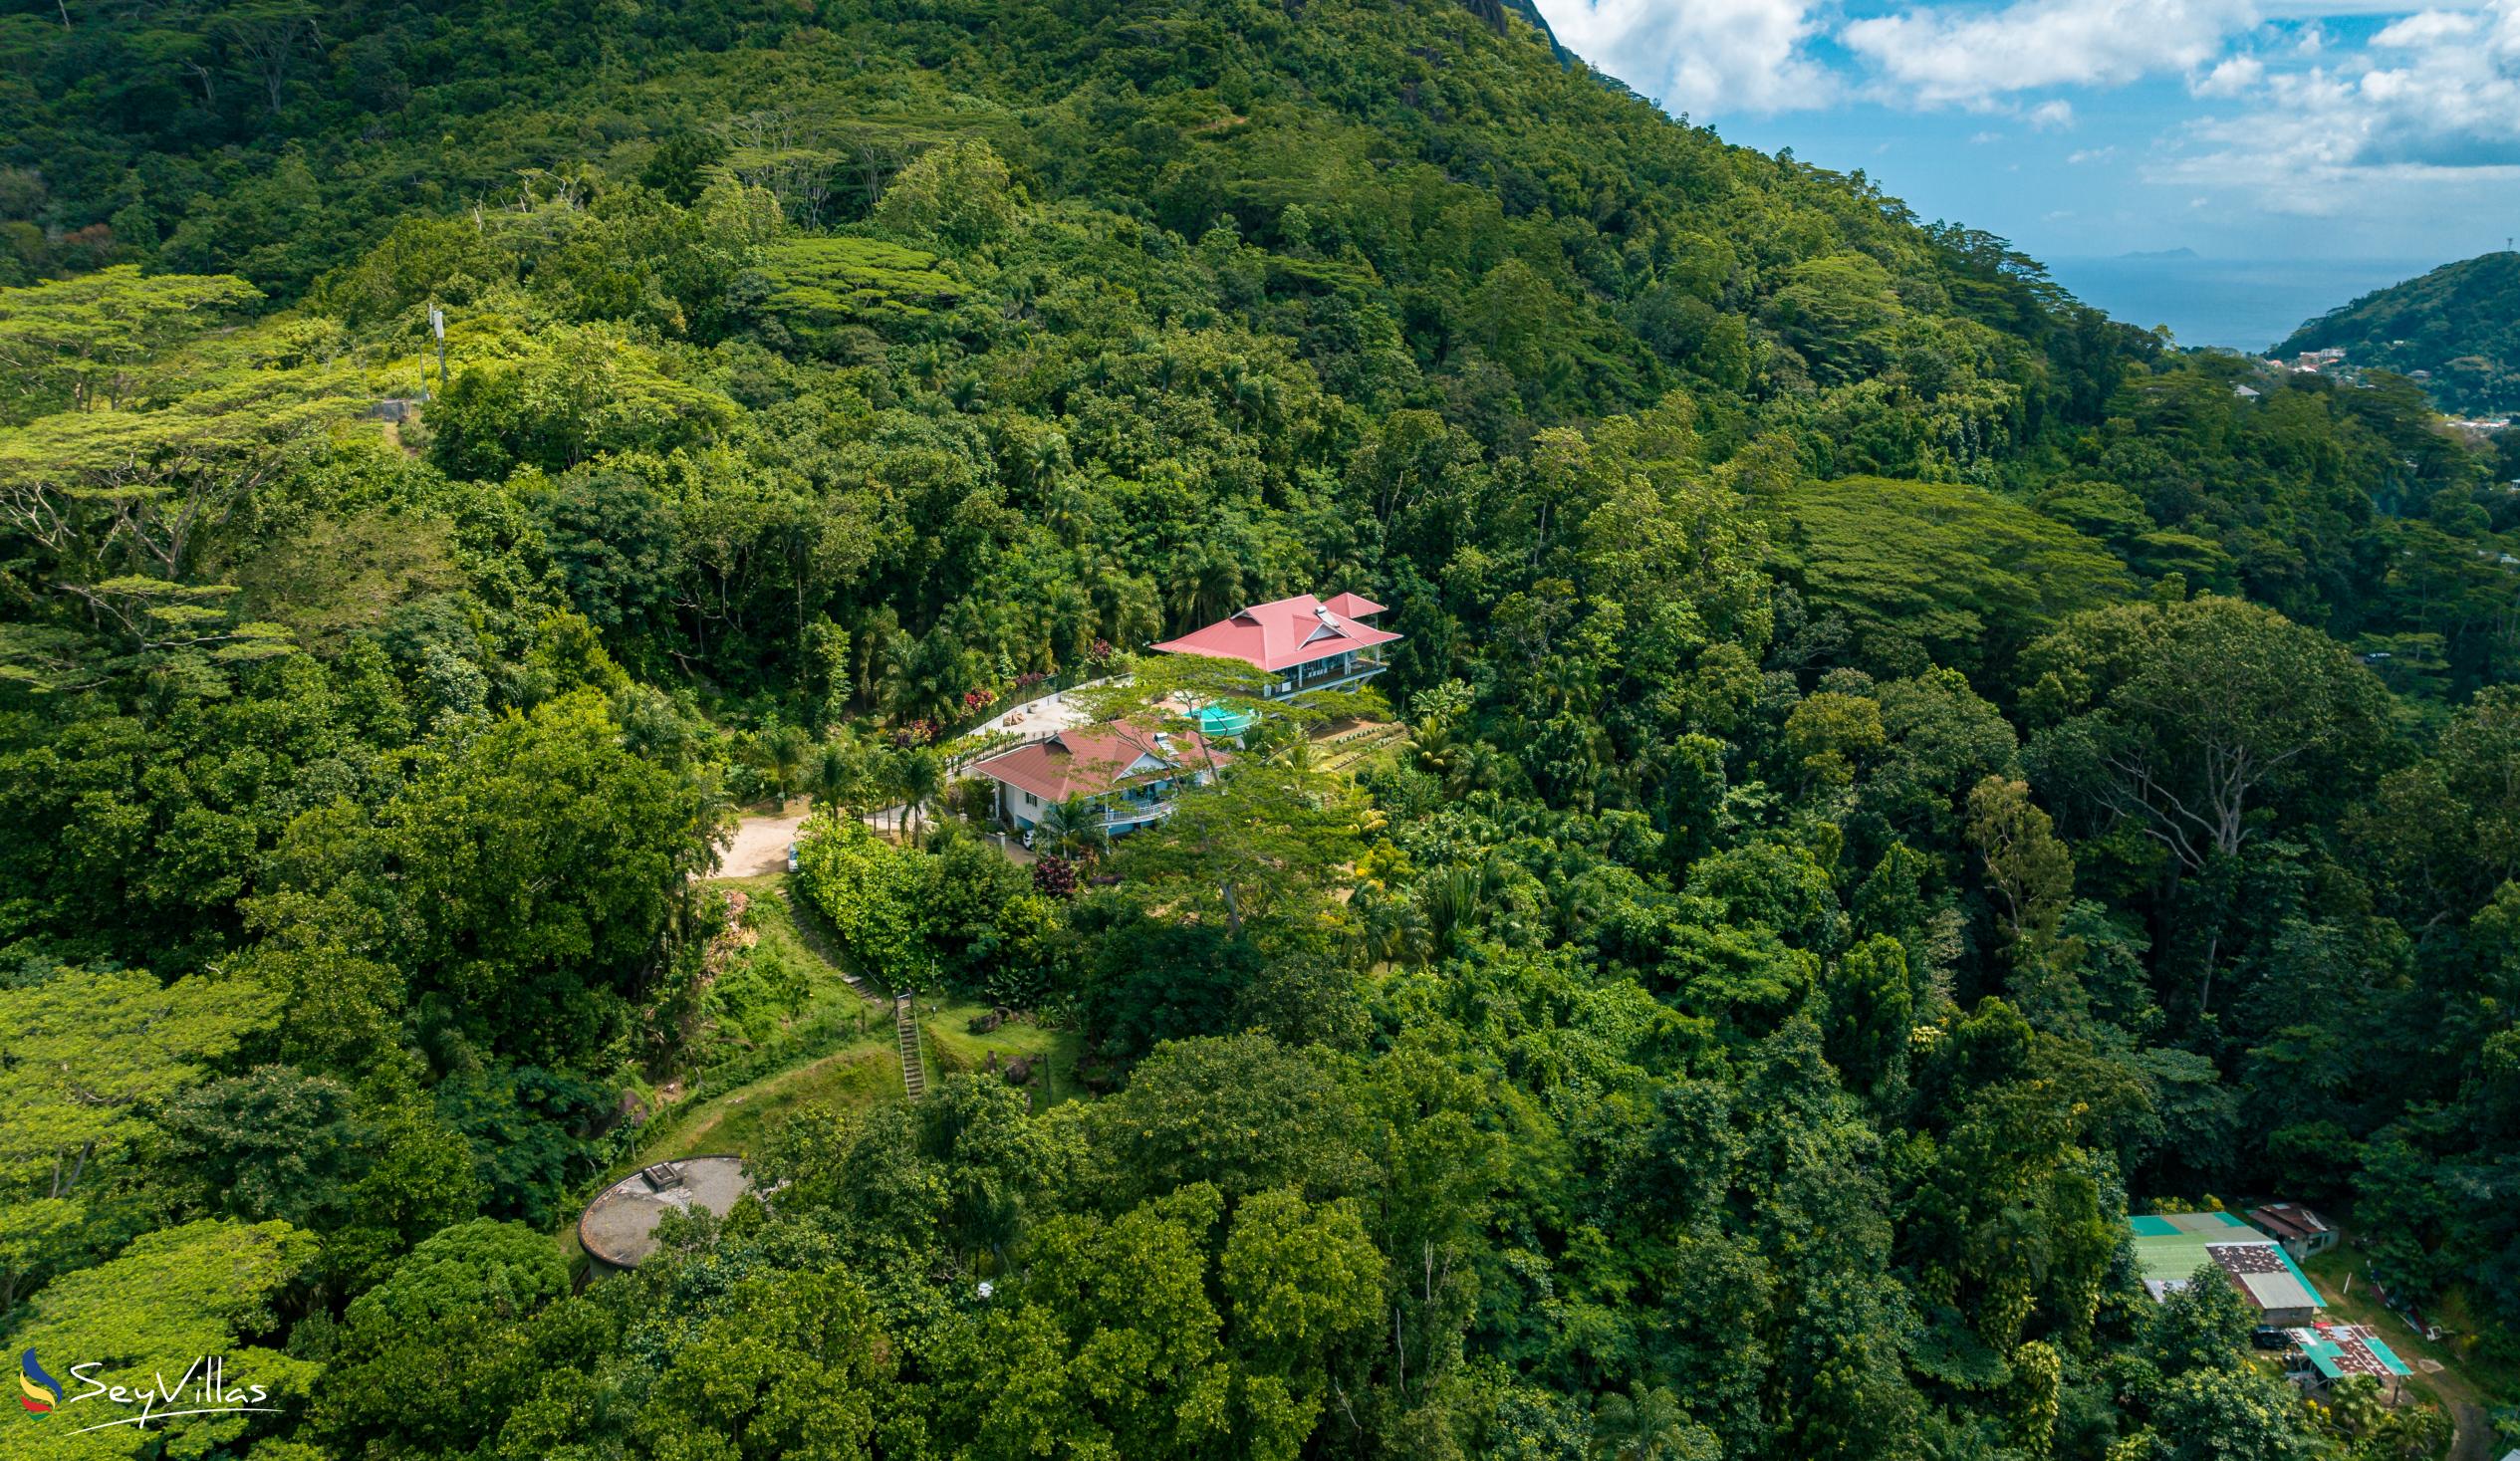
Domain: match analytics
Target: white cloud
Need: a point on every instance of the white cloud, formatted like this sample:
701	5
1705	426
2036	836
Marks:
1702	56
2426	117
2419	119
2323	9
2427	29
2233	75
1976	57
2090	154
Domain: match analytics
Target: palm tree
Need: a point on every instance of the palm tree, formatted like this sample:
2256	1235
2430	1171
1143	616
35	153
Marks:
1438	749
923	676
1206	587
1647	1426
1452	899
784	757
1396	932
1071	828
843	773
918	777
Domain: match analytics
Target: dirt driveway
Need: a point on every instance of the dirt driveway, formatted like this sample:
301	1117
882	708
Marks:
761	844
761	838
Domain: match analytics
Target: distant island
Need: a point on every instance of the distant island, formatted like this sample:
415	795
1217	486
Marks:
2159	255
2456	328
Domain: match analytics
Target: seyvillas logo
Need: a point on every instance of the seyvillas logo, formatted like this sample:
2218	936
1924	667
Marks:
202	1390
38	1393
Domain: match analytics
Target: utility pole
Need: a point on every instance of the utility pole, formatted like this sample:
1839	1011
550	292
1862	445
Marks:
437	327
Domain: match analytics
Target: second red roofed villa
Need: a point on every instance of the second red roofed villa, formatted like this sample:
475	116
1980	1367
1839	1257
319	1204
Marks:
1304	643
1128	771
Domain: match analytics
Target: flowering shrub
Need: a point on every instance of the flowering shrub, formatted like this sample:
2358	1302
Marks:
1055	877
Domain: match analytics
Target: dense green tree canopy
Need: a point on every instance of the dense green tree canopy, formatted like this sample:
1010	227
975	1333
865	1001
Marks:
1884	772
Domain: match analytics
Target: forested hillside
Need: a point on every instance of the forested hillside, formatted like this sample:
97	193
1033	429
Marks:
2459	324
1898	772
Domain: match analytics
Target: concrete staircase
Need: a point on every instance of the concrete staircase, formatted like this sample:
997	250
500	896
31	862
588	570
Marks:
905	1026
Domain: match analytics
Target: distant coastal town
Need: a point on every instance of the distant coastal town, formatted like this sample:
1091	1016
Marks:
2332	364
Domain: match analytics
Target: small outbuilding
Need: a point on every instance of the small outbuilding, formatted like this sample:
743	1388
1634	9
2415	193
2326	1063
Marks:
2328	1352
2301	1231
618	1228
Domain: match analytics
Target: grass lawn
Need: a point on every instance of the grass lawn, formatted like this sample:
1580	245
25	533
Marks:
736	1121
832	1046
2460	1379
952	1047
792	926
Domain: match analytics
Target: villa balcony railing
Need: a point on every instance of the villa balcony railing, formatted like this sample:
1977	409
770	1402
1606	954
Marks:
1127	813
1308	678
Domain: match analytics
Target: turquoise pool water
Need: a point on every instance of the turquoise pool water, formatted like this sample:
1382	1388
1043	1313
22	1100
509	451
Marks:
1217	720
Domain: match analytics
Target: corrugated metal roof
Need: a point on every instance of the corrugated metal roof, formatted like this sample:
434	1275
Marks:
2277	1290
2171	1245
1088	761
2288	1220
2338	1350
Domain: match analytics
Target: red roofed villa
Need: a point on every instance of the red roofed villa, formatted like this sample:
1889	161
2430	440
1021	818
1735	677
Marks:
1302	643
1129	770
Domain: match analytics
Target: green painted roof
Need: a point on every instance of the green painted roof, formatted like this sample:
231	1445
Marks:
2170	1247
2344	1352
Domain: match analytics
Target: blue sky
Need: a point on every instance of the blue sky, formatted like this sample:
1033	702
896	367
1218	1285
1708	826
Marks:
2248	129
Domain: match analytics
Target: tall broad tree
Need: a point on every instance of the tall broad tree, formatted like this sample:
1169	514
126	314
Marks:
525	880
136	491
86	343
1271	839
84	1059
2445	831
2029	868
2206	722
171	1297
2205	726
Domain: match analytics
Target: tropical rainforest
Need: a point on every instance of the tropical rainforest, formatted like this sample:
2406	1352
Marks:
1896	773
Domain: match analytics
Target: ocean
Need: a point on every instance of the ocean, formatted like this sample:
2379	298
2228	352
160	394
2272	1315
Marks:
2240	304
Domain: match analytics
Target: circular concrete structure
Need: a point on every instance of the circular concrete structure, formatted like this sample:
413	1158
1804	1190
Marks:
618	1228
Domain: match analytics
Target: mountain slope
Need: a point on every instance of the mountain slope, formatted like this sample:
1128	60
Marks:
1191	113
2460	324
1882	770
